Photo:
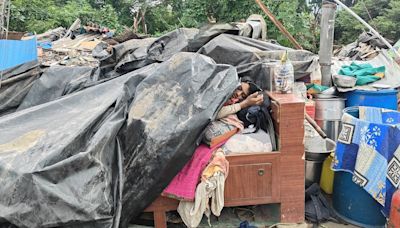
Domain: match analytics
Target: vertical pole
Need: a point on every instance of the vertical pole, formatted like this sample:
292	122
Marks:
326	41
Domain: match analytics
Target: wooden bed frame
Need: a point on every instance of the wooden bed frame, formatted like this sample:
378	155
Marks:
264	178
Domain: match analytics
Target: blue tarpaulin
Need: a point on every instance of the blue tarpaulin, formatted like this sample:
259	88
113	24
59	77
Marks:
16	52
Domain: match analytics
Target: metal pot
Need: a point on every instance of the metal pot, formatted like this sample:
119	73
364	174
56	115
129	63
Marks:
328	113
314	162
313	172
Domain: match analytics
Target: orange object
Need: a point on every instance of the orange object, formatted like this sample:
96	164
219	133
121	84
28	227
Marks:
310	107
310	110
40	52
219	139
394	220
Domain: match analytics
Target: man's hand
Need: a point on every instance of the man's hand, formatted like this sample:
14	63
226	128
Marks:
253	99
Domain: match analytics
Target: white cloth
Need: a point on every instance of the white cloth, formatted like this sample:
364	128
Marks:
192	212
259	142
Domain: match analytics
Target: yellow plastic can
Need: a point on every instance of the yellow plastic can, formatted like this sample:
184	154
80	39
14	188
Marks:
327	175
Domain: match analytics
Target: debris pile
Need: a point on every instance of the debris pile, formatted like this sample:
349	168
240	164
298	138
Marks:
93	138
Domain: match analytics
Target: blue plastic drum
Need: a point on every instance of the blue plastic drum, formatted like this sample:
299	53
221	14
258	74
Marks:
351	202
386	98
354	205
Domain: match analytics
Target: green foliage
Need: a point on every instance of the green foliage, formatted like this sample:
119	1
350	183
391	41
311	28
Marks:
388	22
194	13
300	17
41	15
347	28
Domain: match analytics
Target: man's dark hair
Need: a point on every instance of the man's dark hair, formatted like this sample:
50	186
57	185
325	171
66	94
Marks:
253	86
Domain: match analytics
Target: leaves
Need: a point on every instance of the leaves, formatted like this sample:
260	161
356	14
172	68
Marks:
347	28
41	15
300	17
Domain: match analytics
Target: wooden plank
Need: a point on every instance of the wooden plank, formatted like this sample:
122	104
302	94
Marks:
160	219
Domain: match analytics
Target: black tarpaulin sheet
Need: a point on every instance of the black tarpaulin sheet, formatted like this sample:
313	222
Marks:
58	160
255	58
130	55
208	32
137	53
98	157
56	82
16	84
171	43
169	113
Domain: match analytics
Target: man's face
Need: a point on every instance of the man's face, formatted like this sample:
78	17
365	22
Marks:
242	91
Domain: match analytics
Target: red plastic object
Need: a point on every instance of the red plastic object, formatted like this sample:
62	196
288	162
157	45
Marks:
310	106
310	109
394	220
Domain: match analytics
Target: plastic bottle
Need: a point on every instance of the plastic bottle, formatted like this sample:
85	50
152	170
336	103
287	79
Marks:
284	75
300	90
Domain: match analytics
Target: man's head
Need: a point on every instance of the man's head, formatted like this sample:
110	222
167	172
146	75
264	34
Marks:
242	91
246	88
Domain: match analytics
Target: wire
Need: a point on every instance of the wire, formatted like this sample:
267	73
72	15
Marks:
369	14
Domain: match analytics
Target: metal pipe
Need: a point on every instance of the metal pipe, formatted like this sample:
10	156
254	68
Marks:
326	41
279	25
368	26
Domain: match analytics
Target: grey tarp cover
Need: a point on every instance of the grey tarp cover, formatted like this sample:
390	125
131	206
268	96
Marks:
255	58
93	158
16	83
55	82
136	53
209	32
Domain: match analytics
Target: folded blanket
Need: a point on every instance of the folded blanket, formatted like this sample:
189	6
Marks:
368	147
183	186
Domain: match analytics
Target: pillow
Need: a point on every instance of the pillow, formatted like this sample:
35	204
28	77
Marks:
258	142
217	132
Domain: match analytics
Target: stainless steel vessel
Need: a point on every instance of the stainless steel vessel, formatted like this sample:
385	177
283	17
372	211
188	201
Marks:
328	114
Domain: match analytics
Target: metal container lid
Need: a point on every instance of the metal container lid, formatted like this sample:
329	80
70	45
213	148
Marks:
327	97
329	108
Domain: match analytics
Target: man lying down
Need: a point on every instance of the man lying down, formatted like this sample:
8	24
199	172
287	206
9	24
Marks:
243	125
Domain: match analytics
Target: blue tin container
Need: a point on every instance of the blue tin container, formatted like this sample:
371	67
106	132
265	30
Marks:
386	98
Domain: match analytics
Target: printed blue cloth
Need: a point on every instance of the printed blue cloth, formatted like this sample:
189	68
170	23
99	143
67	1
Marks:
368	147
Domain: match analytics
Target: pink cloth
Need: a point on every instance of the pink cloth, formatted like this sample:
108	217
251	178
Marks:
183	186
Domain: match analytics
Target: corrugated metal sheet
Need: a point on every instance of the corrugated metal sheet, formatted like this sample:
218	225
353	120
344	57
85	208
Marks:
16	52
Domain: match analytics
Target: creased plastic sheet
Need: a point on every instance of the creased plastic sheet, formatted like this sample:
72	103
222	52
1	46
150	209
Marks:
54	83
211	31
255	58
58	160
170	110
137	53
98	157
16	84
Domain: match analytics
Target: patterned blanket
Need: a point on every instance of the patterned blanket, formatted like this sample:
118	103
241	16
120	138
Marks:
368	147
